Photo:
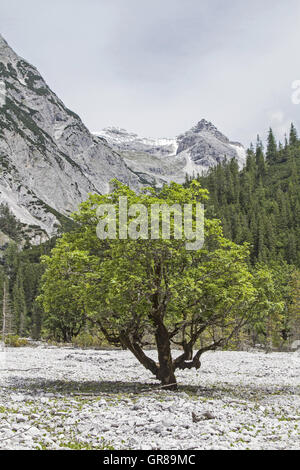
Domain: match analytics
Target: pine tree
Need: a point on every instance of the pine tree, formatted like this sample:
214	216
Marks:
19	305
271	154
260	162
293	136
6	318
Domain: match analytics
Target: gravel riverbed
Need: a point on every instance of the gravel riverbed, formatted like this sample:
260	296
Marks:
65	398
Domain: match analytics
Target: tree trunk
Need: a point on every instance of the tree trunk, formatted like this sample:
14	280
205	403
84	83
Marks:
165	362
4	314
166	369
136	349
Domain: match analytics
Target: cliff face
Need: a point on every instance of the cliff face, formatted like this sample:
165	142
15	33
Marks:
49	161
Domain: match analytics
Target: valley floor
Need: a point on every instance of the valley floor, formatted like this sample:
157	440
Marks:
55	398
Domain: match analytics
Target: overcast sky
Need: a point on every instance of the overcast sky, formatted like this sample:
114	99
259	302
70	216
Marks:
157	67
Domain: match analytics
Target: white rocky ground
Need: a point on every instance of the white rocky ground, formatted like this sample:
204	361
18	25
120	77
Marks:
66	398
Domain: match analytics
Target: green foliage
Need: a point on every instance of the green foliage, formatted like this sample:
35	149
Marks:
241	288
260	204
271	154
92	339
132	289
9	223
292	323
79	445
19	304
22	271
14	341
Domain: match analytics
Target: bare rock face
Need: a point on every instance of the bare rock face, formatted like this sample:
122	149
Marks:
158	161
207	146
49	161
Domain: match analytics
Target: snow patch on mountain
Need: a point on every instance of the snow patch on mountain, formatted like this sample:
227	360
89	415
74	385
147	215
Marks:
170	159
241	154
122	140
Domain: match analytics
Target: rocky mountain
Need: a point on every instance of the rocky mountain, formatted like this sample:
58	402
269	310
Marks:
163	160
49	161
124	141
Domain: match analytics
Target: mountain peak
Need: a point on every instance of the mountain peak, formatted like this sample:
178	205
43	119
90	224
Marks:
203	128
2	41
6	52
204	125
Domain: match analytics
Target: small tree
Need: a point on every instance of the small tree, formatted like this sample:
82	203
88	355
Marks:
19	305
64	299
5	310
293	318
136	289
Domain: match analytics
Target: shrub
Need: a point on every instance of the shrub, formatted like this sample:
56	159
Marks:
89	340
15	341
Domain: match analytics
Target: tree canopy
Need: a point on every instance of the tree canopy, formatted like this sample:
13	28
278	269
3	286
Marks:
145	290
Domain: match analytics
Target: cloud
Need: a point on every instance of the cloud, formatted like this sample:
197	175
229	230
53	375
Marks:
158	67
280	124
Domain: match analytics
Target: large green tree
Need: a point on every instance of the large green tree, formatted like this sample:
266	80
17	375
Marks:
147	291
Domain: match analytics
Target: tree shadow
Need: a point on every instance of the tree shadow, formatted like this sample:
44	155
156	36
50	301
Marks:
116	388
69	387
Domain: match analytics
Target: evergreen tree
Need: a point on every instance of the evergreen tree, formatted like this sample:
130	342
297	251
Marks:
260	162
271	154
19	305
293	136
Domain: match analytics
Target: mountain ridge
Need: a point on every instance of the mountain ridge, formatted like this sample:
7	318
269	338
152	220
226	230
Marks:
170	159
50	161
